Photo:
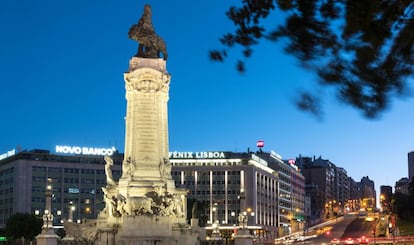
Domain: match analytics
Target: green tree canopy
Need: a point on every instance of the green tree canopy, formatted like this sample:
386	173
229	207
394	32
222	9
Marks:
403	206
364	49
23	225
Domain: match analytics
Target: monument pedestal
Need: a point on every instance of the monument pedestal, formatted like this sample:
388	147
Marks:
243	237
47	237
145	230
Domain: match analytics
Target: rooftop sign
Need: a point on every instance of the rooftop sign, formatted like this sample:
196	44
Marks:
7	154
198	155
85	150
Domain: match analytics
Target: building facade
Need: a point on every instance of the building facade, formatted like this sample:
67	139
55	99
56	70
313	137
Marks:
342	189
368	193
411	166
76	181
401	186
385	198
228	183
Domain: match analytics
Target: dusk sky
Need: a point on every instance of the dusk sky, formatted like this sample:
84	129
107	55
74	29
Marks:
62	65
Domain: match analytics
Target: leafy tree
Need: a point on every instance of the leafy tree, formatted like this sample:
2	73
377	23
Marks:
363	48
23	225
403	206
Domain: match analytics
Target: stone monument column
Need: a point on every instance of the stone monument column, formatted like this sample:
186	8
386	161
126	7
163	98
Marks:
146	162
144	207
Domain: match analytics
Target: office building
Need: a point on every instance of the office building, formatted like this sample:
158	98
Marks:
76	179
411	166
229	183
385	198
368	193
342	189
401	186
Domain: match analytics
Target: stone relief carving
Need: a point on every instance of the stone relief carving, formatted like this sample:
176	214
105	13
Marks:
111	203
165	169
147	82
150	44
166	204
134	205
153	203
85	231
128	167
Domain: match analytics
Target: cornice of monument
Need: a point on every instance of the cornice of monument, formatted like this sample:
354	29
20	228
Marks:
150	78
154	63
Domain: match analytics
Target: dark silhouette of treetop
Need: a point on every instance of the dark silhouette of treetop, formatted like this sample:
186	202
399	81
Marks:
364	48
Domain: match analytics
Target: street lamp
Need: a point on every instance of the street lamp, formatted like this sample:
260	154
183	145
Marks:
71	210
48	216
47	236
215	224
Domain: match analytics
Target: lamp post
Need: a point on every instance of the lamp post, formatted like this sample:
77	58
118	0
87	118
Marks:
71	210
48	216
243	236
215	224
47	236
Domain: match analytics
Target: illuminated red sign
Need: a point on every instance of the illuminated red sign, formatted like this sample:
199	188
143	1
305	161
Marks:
260	143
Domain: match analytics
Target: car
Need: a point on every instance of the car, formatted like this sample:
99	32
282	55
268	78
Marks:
335	241
349	240
304	238
362	240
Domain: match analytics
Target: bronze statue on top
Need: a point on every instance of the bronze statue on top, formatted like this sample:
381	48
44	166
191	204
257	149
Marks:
150	44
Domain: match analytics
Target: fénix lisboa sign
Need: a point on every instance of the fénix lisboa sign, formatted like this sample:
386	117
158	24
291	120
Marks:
200	155
83	150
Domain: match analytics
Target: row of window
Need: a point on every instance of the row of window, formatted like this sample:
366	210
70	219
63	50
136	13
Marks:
70	180
205	163
39	169
6	190
6	201
6	172
6	181
5	211
206	173
215	182
216	192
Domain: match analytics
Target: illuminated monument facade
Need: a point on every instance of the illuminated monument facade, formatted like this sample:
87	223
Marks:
144	207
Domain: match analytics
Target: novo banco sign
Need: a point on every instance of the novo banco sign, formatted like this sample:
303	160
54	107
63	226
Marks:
82	150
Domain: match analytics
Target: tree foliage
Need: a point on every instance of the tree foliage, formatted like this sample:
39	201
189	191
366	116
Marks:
23	225
403	206
403	203
364	48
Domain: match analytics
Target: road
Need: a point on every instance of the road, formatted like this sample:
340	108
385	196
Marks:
349	227
341	229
